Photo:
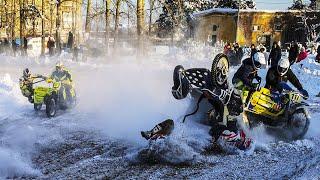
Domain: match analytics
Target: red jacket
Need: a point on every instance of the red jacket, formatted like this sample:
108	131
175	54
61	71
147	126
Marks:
303	55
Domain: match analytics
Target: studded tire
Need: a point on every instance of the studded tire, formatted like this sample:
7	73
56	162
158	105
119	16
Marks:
220	70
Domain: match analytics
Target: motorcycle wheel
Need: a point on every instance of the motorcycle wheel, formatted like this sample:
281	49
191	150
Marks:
51	107
220	69
298	124
37	107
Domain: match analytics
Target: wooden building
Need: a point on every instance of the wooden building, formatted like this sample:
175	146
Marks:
253	26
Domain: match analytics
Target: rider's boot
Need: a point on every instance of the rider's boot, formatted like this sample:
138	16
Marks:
159	131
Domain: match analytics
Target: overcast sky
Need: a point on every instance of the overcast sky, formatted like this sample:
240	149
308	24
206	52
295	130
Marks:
274	4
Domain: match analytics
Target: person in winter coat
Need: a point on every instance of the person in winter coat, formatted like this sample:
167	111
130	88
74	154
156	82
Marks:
247	72
302	55
264	58
239	52
282	73
318	54
70	40
51	45
275	55
227	48
293	53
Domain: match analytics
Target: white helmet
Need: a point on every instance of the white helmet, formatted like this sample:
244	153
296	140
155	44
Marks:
258	59
283	66
59	65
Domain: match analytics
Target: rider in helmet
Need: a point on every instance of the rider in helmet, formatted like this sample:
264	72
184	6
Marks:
61	74
227	131
248	71
26	82
283	73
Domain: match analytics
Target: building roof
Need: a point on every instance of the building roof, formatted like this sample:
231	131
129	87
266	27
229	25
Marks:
215	11
235	11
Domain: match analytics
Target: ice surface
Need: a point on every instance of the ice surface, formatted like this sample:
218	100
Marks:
118	97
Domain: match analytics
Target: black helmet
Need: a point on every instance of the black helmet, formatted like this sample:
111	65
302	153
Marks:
26	73
181	85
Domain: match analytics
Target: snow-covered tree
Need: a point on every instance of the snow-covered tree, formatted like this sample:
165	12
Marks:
300	5
313	4
234	4
192	6
177	12
309	22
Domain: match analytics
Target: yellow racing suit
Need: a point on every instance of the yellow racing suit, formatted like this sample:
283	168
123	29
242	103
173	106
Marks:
65	77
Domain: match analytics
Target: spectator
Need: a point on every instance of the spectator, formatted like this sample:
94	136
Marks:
14	46
318	54
6	45
25	46
51	45
266	56
76	53
227	48
293	53
70	41
1	46
253	48
275	55
239	52
302	55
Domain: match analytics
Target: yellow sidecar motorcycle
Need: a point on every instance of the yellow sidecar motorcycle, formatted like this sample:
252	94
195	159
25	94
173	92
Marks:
286	113
41	91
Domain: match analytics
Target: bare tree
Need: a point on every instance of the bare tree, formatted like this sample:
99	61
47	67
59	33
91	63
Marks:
88	18
117	21
140	25
108	3
151	8
140	17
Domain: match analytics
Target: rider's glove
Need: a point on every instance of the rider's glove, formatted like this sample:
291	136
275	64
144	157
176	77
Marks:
304	93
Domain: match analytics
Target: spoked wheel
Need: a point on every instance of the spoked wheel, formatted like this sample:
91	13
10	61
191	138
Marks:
220	69
51	107
37	107
298	124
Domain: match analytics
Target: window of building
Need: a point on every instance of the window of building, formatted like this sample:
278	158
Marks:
214	28
256	27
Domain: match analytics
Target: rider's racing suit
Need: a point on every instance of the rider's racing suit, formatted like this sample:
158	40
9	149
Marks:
63	76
